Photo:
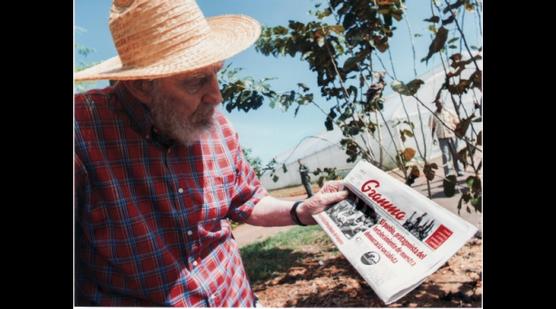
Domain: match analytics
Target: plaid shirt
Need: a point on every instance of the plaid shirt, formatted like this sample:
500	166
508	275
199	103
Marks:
152	216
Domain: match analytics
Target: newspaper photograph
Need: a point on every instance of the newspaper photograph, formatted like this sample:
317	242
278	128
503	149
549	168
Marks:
391	234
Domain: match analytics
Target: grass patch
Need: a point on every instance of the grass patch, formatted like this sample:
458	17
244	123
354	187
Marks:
266	259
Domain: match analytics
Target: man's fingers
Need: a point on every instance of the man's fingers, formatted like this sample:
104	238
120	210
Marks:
333	197
321	201
333	186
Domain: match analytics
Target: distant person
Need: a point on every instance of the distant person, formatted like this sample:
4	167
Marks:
446	137
159	171
305	178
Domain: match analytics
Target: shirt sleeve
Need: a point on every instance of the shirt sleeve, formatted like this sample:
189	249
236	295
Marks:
248	190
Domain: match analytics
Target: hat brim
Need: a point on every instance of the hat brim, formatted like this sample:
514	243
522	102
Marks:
229	35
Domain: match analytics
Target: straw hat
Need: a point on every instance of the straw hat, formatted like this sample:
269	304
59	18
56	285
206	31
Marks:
159	38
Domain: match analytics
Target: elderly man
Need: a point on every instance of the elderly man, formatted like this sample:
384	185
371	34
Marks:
159	171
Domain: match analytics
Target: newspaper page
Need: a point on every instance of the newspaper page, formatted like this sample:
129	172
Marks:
393	235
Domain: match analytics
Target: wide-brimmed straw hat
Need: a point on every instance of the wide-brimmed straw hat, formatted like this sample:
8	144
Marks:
159	38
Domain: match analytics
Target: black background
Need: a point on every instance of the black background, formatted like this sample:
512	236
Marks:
38	152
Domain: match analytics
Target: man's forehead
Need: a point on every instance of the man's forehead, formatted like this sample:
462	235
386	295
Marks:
211	68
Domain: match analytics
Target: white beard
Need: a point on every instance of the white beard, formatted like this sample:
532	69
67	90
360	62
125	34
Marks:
168	119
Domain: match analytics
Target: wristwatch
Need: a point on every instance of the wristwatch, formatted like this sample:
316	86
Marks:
293	214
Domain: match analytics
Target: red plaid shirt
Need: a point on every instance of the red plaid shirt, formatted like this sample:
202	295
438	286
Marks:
152	217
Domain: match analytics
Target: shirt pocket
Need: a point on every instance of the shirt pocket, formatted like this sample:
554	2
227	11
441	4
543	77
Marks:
213	233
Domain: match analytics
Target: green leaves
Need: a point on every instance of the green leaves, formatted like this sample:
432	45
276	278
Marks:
380	43
351	64
338	29
303	87
352	149
280	30
448	20
329	173
323	14
353	127
429	170
438	43
462	157
349	20
433	19
462	126
404	133
329	122
254	161
408	90
453	6
415	171
245	93
476	79
339	54
474	193
460	88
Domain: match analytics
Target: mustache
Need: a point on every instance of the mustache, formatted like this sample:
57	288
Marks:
203	114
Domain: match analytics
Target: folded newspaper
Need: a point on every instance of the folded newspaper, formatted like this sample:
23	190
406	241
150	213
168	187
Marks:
391	234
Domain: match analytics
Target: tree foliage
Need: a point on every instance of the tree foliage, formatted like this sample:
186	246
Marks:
339	45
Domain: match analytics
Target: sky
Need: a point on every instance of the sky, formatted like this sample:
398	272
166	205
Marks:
266	131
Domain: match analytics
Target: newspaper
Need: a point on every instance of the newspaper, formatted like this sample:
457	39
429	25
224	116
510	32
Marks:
392	235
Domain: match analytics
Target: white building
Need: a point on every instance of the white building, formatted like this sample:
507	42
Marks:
324	150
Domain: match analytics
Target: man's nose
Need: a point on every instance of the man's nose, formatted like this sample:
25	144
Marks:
213	95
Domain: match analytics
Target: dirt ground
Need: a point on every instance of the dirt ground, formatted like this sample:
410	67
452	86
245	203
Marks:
326	279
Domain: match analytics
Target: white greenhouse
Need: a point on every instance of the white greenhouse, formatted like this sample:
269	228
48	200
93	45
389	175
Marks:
324	150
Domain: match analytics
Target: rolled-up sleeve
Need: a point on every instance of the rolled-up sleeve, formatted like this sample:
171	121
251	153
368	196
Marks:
248	190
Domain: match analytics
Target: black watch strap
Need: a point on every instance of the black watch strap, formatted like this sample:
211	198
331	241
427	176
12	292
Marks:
293	214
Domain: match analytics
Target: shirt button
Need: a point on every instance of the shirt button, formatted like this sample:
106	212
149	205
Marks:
189	233
180	190
195	263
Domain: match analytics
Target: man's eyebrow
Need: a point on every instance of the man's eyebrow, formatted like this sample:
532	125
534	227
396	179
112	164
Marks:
207	70
196	75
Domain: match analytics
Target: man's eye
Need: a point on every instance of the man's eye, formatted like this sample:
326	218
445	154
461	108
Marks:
195	81
194	84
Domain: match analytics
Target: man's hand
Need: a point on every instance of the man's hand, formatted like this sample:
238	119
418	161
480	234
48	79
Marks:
271	211
331	193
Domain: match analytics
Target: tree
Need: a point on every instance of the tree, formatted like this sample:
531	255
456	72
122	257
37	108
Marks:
82	51
340	45
254	161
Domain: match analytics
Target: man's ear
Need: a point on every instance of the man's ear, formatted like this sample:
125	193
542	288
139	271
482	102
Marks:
140	88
